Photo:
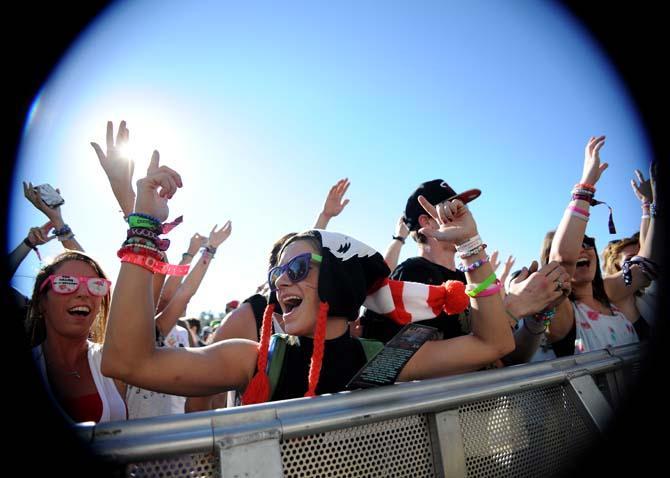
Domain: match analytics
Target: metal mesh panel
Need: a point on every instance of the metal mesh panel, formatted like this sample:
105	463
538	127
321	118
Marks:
200	465
394	448
529	433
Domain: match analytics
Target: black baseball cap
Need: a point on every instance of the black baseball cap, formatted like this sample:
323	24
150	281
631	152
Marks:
435	191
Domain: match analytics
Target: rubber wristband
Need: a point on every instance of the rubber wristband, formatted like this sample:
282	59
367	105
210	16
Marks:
398	238
487	282
491	290
155	266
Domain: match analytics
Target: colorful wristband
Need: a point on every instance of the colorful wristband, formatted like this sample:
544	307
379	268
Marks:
154	265
475	265
491	290
579	210
588	186
480	287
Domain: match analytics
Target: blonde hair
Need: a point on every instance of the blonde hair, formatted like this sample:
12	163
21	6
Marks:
613	250
35	326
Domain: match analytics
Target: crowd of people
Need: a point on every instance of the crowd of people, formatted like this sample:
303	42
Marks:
330	302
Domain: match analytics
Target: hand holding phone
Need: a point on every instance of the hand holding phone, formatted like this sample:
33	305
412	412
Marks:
50	196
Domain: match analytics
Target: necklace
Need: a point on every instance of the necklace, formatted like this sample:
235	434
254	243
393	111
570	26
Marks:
74	374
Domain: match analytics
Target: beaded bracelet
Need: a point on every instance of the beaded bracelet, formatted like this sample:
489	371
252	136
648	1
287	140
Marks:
63	230
475	265
652	209
545	316
480	287
67	237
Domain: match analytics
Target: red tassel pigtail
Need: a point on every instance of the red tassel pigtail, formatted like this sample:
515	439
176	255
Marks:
317	353
258	390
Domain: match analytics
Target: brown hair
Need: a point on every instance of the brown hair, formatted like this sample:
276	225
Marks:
35	319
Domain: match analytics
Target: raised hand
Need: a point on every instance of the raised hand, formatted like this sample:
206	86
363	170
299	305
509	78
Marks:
642	190
154	190
33	196
507	268
593	168
401	229
334	203
40	235
495	263
117	166
455	221
217	237
197	241
653	174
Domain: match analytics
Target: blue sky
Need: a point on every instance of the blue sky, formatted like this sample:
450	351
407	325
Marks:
261	110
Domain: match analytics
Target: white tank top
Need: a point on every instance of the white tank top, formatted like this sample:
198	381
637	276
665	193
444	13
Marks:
113	406
595	331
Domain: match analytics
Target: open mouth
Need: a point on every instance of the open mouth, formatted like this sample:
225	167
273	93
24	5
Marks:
583	262
80	310
290	303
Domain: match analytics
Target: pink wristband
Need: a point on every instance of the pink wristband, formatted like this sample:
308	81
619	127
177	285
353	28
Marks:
491	290
579	210
155	266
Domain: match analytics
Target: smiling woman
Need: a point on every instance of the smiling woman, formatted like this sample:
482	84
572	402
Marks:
67	319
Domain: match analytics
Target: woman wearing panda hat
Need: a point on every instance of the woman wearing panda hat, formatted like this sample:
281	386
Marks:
321	281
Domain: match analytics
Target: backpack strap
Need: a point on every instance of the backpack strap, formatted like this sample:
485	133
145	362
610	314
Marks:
370	347
276	354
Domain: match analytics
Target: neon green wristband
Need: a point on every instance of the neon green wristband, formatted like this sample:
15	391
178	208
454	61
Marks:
142	223
484	285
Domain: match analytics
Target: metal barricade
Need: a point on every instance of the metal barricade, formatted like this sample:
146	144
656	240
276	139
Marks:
524	420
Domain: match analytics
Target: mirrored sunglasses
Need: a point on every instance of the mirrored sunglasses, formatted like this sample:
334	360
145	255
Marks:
296	269
62	284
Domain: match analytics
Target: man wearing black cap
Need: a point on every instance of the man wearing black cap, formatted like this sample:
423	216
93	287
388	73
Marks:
434	265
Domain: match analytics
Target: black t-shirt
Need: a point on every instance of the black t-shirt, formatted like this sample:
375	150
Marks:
416	269
343	357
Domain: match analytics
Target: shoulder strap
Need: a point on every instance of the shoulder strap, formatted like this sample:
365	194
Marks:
276	354
370	347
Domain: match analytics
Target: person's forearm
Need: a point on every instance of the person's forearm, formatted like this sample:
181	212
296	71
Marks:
569	235
321	221
644	222
58	224
125	196
16	257
129	338
169	316
526	342
393	253
172	283
489	319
